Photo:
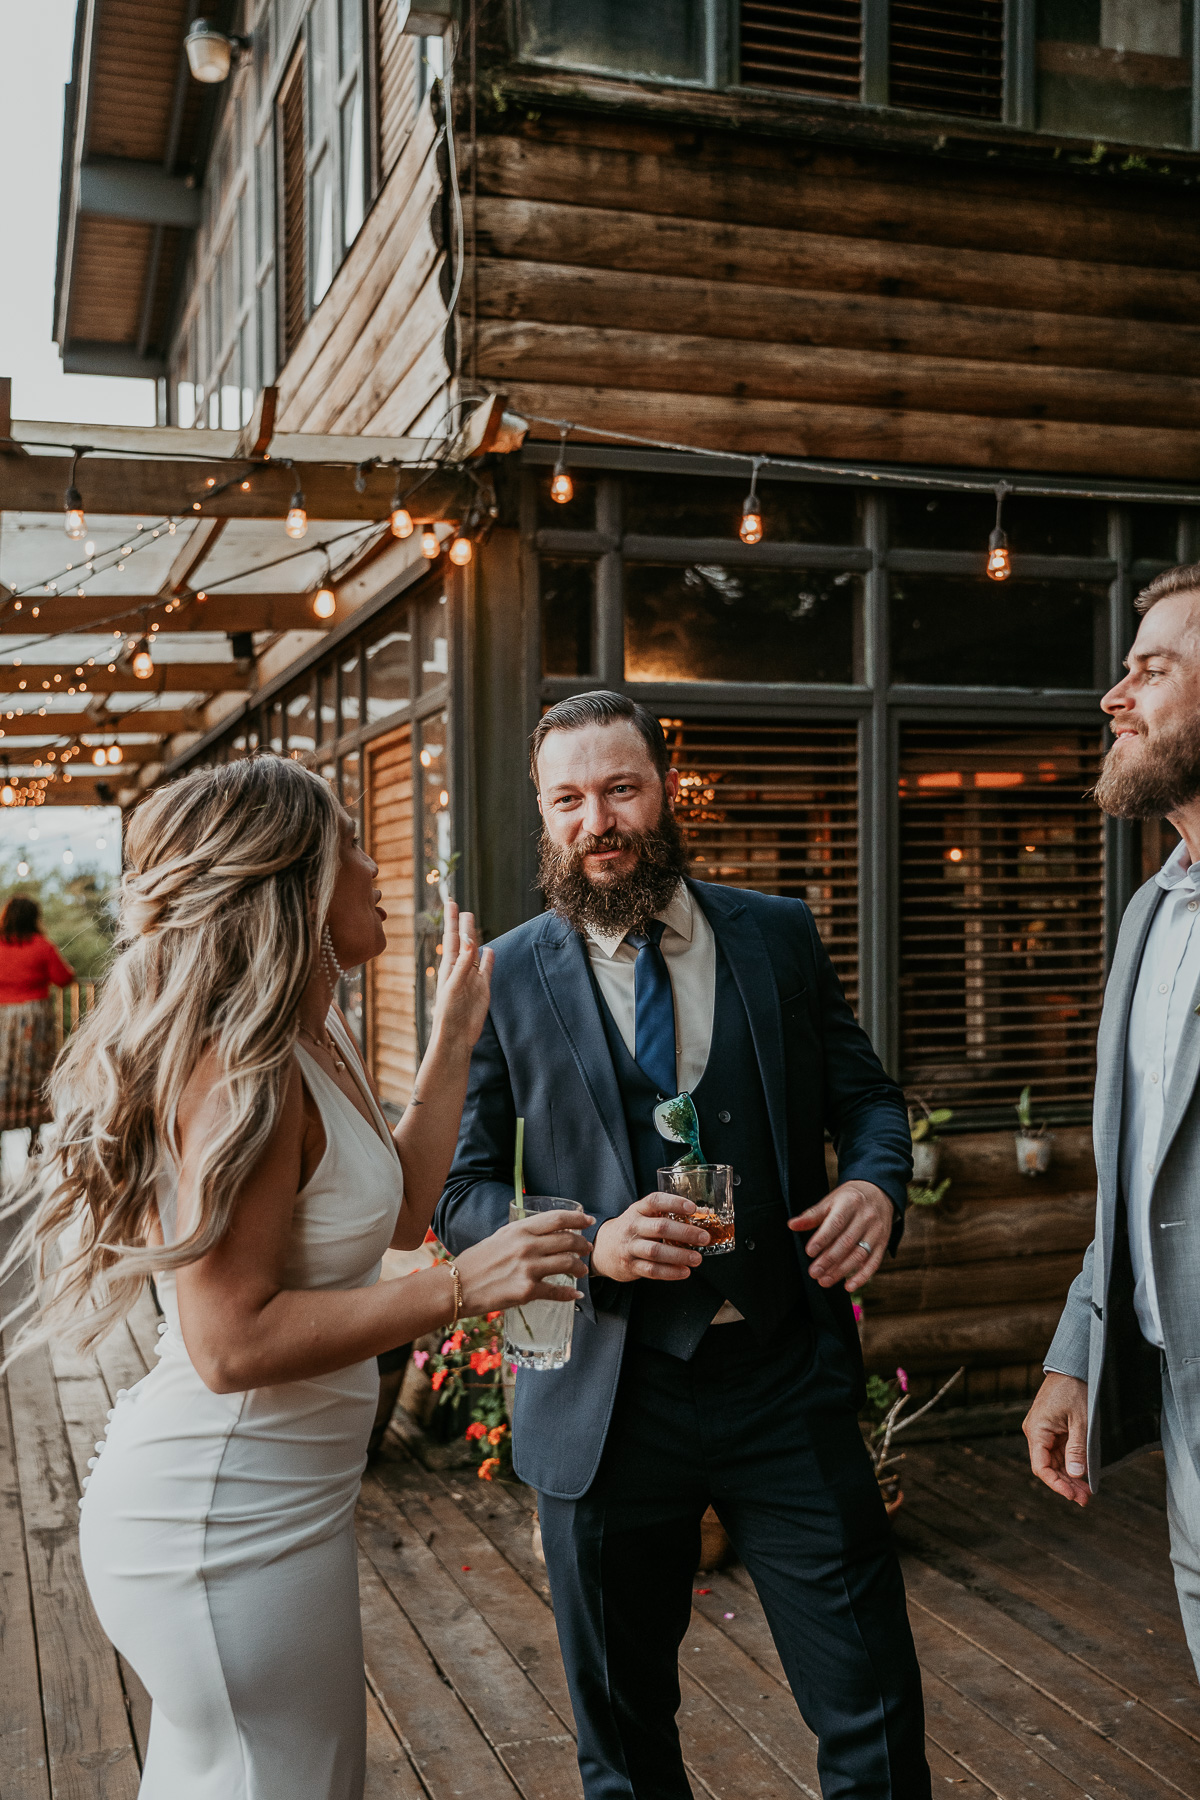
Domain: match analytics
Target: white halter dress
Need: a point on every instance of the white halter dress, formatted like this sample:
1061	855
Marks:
217	1530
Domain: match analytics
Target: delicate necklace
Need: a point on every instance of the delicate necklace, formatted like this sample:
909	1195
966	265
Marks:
327	1044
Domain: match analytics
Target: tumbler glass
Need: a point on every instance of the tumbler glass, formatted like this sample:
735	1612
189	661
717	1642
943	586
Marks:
537	1335
710	1187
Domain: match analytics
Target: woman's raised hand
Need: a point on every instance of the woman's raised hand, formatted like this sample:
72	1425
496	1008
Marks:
510	1267
464	984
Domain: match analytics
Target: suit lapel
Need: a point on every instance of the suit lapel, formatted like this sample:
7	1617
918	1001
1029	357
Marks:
562	965
1114	1029
750	961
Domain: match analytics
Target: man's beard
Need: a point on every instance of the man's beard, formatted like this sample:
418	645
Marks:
1157	779
616	904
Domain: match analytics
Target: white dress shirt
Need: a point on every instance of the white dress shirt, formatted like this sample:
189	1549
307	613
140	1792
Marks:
690	952
1163	996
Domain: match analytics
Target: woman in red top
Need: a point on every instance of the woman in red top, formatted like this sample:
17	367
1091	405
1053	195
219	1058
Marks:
28	1038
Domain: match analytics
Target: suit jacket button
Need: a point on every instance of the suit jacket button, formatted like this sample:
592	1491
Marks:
737	1181
724	1117
749	1243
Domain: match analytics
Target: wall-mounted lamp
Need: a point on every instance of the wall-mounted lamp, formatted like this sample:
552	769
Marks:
210	52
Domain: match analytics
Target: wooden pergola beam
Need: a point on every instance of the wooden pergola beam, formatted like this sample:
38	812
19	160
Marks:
159	723
26	760
168	678
169	488
128	612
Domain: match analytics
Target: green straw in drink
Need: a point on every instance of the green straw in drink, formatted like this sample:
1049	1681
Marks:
518	1176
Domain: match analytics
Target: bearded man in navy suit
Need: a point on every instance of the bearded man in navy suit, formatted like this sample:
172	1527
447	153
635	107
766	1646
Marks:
733	1380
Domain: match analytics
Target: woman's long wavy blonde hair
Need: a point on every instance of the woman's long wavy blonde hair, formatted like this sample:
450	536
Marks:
228	880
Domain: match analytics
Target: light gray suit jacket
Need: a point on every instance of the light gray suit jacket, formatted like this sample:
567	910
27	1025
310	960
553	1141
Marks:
1098	1338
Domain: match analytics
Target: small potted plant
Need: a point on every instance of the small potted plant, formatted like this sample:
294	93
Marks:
923	1122
1035	1144
888	1400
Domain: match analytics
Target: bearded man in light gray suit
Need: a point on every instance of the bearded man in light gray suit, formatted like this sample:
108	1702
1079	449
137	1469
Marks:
1123	1371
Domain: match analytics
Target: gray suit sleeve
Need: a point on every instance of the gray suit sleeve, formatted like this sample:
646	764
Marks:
1068	1354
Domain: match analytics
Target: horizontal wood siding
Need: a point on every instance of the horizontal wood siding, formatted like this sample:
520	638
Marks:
372	356
981	1278
391	1002
750	294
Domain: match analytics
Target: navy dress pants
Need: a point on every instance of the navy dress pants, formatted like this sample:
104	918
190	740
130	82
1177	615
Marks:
772	1441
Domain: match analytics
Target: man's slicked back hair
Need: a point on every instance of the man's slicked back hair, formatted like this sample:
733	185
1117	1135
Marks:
601	707
1183	580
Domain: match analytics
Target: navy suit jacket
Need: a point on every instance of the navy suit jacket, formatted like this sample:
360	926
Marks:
543	1055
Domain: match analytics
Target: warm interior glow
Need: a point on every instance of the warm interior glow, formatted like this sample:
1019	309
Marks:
324	603
940	778
998	778
461	551
401	522
955	855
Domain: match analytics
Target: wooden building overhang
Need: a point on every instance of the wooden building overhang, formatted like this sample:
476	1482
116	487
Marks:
136	134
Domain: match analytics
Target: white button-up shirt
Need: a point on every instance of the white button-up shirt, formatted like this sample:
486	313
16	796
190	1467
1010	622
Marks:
1163	997
690	952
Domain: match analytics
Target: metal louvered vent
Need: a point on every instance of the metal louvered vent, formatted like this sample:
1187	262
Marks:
775	807
1001	915
948	56
809	49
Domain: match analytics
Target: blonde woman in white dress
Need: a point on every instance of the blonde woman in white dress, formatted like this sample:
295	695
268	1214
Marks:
216	1126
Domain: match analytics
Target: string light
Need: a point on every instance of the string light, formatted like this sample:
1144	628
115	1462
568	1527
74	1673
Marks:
324	603
143	662
430	547
401	520
75	524
114	753
999	562
7	794
99	757
751	528
562	488
296	523
461	551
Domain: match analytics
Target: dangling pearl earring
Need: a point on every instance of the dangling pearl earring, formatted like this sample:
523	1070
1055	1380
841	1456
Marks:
329	955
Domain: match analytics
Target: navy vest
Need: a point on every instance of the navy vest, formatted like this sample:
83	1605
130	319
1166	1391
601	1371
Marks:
761	1275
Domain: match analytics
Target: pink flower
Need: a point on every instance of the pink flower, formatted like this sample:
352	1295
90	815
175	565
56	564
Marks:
902	1378
420	1357
858	1311
447	1348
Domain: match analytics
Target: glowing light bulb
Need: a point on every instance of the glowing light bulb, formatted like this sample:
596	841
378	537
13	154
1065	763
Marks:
8	795
143	662
751	528
22	867
296	523
114	753
98	757
401	522
75	524
461	551
955	855
999	562
562	488
429	543
89	549
324	603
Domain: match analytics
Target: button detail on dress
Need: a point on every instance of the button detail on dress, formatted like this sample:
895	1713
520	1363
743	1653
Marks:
1193	904
724	1117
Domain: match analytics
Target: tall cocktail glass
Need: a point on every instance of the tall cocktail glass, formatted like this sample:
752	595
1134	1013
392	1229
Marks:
537	1335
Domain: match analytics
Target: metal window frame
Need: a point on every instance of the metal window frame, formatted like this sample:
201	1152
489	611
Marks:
879	705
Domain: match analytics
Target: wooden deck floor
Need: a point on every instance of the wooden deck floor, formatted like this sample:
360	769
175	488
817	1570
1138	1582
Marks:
1055	1665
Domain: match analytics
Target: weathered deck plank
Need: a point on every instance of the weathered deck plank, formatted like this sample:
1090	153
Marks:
23	1771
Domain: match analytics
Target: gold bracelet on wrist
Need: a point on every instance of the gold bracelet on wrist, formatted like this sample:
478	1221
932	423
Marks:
458	1294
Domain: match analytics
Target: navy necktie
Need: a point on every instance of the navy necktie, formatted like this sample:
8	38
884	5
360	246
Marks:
654	1010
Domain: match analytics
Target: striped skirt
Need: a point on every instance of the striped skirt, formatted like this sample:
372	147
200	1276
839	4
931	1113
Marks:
28	1047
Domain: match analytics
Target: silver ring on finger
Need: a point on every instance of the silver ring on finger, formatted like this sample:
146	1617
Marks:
861	1246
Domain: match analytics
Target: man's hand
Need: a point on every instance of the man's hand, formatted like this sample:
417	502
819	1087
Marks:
1056	1427
644	1244
852	1228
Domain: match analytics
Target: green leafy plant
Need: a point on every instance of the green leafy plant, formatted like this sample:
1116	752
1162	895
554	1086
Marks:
924	1120
470	1365
1030	1127
923	1194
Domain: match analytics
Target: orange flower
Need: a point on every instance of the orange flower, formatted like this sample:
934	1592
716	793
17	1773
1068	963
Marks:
438	1378
492	1317
485	1468
496	1433
457	1339
479	1362
476	1430
492	1361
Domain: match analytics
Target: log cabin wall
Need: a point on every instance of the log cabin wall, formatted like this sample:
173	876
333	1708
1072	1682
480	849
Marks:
744	292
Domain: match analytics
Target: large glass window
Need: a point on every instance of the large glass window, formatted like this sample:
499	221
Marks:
701	507
964	631
567	601
712	623
1116	69
668	40
389	671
